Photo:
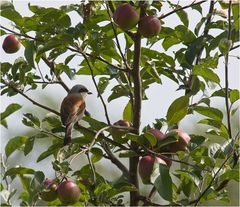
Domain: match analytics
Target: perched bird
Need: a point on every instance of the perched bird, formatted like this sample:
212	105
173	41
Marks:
73	108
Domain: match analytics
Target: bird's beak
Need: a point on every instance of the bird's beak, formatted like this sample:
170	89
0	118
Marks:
89	92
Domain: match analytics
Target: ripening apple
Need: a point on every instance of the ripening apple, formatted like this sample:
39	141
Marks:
68	192
157	134
149	26
49	190
181	144
118	133
11	44
146	167
126	16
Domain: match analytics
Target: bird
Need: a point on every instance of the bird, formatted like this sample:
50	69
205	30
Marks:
72	109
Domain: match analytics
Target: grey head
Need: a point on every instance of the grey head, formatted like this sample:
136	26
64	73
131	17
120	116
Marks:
79	89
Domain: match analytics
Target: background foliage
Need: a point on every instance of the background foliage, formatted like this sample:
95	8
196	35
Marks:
204	170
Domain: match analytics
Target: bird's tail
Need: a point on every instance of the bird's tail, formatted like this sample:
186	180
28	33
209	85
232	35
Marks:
68	134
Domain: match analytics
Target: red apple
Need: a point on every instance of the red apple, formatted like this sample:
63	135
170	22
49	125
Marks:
68	192
126	16
11	44
149	26
146	167
181	144
157	134
49	190
120	132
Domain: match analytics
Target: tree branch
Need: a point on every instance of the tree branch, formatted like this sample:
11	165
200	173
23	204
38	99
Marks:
28	98
182	8
137	91
96	86
115	161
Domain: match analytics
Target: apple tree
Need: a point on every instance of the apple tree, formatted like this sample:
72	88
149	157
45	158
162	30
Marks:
120	42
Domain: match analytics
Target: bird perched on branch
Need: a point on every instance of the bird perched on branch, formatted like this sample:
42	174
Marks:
73	108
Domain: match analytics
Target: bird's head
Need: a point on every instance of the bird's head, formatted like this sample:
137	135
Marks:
79	89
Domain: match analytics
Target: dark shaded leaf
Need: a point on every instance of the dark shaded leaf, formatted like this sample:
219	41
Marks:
30	53
163	183
19	171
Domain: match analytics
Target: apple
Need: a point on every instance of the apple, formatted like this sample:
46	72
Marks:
11	44
181	144
126	16
149	26
68	192
146	167
49	190
157	134
120	132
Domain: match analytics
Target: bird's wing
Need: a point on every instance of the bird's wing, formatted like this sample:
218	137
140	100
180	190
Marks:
71	107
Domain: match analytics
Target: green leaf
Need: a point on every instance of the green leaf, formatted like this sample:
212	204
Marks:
97	154
218	124
178	110
151	138
128	113
230	174
234	95
206	73
236	16
30	53
118	91
225	46
19	171
213	113
128	153
170	138
9	110
102	84
169	42
163	183
14	144
51	150
39	176
95	124
33	119
183	16
12	14
135	138
29	145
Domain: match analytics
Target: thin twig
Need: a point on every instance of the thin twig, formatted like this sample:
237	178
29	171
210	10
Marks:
28	98
182	8
96	86
92	167
91	144
115	161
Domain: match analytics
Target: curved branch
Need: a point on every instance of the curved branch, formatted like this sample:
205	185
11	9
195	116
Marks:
31	100
96	86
